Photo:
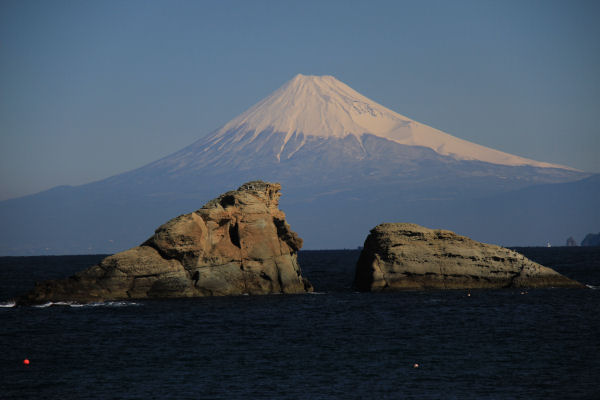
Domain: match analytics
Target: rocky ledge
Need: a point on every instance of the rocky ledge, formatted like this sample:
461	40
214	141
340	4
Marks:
398	256
238	243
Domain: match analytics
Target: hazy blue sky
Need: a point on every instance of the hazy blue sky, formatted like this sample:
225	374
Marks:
89	89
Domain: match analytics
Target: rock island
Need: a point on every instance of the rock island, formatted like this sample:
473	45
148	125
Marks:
399	256
238	243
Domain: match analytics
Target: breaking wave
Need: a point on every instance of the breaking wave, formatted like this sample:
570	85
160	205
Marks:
79	305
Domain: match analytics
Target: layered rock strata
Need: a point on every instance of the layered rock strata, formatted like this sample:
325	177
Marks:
238	243
399	256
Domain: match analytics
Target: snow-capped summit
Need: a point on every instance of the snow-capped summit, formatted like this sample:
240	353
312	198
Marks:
322	106
318	106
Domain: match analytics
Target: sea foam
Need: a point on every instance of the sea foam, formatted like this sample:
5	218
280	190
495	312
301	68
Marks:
80	305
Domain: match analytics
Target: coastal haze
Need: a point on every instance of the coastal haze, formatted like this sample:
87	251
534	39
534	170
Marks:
346	164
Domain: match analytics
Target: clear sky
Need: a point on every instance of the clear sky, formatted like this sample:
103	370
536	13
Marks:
89	89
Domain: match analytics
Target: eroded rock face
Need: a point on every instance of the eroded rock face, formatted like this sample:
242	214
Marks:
238	243
399	256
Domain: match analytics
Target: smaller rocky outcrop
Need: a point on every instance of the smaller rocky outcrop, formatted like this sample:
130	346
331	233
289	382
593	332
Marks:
399	256
591	239
238	243
571	242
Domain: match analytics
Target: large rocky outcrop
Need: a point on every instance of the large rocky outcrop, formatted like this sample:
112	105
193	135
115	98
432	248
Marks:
238	243
399	256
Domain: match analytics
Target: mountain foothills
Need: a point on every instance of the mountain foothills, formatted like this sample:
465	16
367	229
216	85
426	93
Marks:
347	164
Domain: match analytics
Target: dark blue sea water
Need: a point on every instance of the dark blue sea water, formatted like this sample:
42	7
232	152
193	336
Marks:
495	344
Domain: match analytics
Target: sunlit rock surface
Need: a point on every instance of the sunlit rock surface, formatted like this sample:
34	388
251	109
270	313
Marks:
238	243
399	256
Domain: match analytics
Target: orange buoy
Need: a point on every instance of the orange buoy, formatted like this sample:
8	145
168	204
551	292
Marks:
26	361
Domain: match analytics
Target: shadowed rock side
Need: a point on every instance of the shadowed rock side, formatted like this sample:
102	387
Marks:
238	243
398	256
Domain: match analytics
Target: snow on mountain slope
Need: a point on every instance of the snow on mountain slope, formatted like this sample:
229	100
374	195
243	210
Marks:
346	163
322	106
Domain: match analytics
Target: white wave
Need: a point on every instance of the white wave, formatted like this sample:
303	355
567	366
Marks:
8	304
593	287
317	293
96	304
107	304
48	304
52	303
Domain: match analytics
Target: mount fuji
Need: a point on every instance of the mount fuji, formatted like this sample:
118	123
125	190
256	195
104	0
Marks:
345	163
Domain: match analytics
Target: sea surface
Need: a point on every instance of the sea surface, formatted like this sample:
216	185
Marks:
333	344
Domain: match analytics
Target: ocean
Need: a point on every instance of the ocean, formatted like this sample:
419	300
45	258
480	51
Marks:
333	344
